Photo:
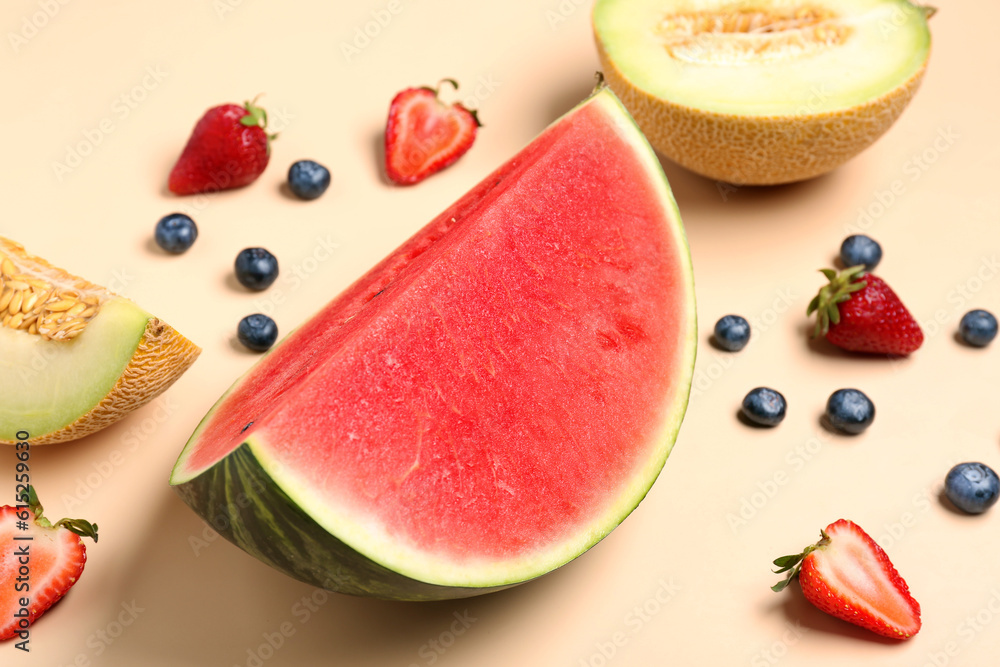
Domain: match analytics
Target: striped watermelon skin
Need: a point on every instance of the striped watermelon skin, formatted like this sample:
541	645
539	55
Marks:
242	503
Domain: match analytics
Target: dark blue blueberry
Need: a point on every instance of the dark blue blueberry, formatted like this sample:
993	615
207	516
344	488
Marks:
850	411
860	249
972	487
257	332
764	406
256	268
732	333
308	179
978	327
175	233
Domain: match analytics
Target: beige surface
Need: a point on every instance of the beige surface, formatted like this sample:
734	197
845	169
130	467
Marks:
681	582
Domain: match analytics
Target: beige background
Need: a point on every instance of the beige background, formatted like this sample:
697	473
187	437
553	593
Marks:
99	99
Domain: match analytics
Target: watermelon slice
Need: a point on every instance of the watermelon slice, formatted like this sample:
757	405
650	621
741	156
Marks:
486	403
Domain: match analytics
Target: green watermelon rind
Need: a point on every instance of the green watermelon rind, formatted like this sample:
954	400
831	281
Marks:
262	508
255	514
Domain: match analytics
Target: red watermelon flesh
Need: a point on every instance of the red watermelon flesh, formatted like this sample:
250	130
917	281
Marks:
495	396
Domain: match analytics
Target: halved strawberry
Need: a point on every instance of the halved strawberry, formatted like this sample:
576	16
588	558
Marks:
228	148
858	311
848	575
424	135
40	561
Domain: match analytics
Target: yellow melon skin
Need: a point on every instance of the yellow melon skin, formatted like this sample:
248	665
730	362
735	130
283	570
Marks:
758	150
159	358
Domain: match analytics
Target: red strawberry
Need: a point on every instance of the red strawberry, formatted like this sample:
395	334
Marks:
424	135
848	576
228	148
860	312
40	562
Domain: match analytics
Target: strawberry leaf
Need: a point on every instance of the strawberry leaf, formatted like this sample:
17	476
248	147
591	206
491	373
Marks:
780	586
787	562
813	305
256	116
81	527
454	84
793	563
472	112
838	290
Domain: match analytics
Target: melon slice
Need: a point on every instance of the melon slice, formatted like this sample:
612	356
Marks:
761	92
74	357
486	403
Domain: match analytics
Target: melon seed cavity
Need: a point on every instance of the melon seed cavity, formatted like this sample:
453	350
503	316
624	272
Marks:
751	36
30	301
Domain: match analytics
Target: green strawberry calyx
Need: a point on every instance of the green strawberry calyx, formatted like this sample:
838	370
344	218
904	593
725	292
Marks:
81	527
793	563
257	117
840	288
454	84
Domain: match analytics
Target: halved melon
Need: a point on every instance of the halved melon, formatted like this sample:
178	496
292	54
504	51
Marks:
486	403
761	92
74	357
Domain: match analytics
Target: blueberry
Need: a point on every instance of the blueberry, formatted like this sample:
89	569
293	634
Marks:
860	249
175	233
732	333
257	332
850	411
308	179
978	327
764	406
256	268
972	487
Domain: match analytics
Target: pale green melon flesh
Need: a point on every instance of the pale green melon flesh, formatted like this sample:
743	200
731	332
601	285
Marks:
46	385
777	67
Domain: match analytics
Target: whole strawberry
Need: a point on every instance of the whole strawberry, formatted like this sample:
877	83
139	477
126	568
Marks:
858	311
41	562
847	575
228	148
423	135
